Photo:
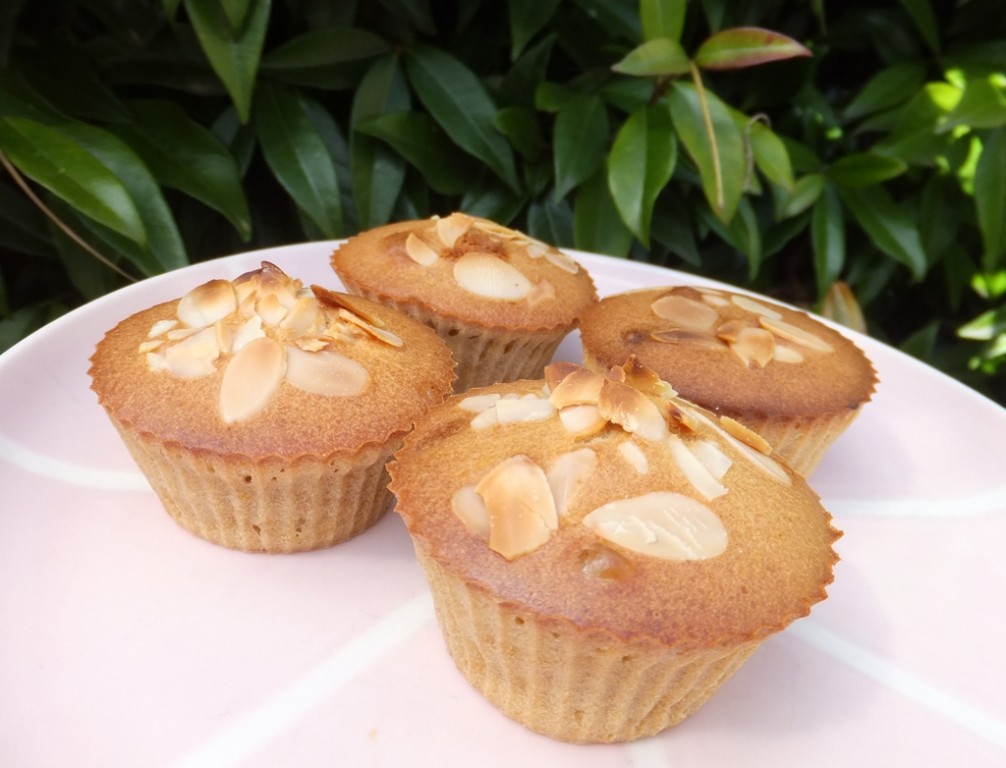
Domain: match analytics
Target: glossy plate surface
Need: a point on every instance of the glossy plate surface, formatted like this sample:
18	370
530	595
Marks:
124	640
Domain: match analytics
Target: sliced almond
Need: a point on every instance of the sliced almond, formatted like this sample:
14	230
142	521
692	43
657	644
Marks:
541	291
750	305
479	403
646	380
784	354
557	371
522	513
452	227
790	332
248	331
632	410
161	327
194	356
486	275
745	435
578	387
469	507
715	301
485	419
755	346
207	303
582	420
347	302
687	338
662	524
302	317
327	373
567	475
381	334
634	456
711	456
420	251
150	346
695	470
250	379
683	312
561	260
763	462
730	330
523	410
271	308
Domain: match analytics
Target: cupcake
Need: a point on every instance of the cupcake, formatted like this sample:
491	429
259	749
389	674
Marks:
603	555
262	412
792	379
502	301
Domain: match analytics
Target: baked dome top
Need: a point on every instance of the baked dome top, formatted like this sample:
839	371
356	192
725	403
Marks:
608	502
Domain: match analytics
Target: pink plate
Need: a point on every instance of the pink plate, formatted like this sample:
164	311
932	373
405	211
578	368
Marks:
125	641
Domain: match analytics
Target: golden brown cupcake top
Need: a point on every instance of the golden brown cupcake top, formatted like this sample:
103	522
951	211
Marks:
263	365
729	352
470	268
608	502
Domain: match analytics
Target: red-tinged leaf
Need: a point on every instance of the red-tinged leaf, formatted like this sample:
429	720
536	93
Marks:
661	56
740	47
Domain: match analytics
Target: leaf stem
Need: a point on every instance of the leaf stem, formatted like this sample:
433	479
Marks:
707	121
30	194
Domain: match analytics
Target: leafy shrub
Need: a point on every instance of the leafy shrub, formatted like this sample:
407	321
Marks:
852	160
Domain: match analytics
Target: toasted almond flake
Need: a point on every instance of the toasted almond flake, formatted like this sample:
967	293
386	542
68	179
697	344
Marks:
523	410
161	327
634	456
250	379
302	317
542	291
790	332
578	387
715	301
685	313
600	562
522	513
745	435
327	373
271	309
750	305
248	331
681	417
557	371
561	260
694	470
632	410
711	456
567	475
646	380
760	460
535	248
485	419
225	337
687	338
380	334
486	275
469	507
312	343
347	302
150	346
662	524
730	330
177	334
784	354
207	303
450	228
479	403
582	420
420	251
754	346
193	356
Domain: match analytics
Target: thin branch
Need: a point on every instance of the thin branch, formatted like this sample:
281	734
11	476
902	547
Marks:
30	193
707	120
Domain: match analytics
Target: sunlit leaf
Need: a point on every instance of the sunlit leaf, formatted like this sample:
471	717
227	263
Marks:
640	163
53	157
581	131
982	105
334	57
662	18
719	156
597	226
990	198
377	170
660	56
740	47
827	237
297	156
187	157
527	17
458	101
890	228
234	52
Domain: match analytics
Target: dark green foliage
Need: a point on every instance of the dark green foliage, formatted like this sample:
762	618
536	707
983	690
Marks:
811	151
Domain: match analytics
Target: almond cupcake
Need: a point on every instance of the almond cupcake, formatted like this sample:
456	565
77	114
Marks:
603	555
263	412
502	301
794	380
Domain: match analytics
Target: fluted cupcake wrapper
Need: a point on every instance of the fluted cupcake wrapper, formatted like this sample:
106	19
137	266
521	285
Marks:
565	683
269	505
802	443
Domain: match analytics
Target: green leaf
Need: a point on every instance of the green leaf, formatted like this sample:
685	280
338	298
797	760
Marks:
581	131
378	171
22	227
54	158
187	157
551	222
827	237
888	88
416	13
982	105
740	47
864	169
661	56
890	227
297	156
805	192
460	104
333	58
662	18
418	139
618	19
520	126
640	164
491	200
723	171
770	154
921	12
990	198
597	226
527	17
234	51
742	232
672	227
71	84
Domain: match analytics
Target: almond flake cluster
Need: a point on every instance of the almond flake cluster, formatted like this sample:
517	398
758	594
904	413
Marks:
267	328
517	505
